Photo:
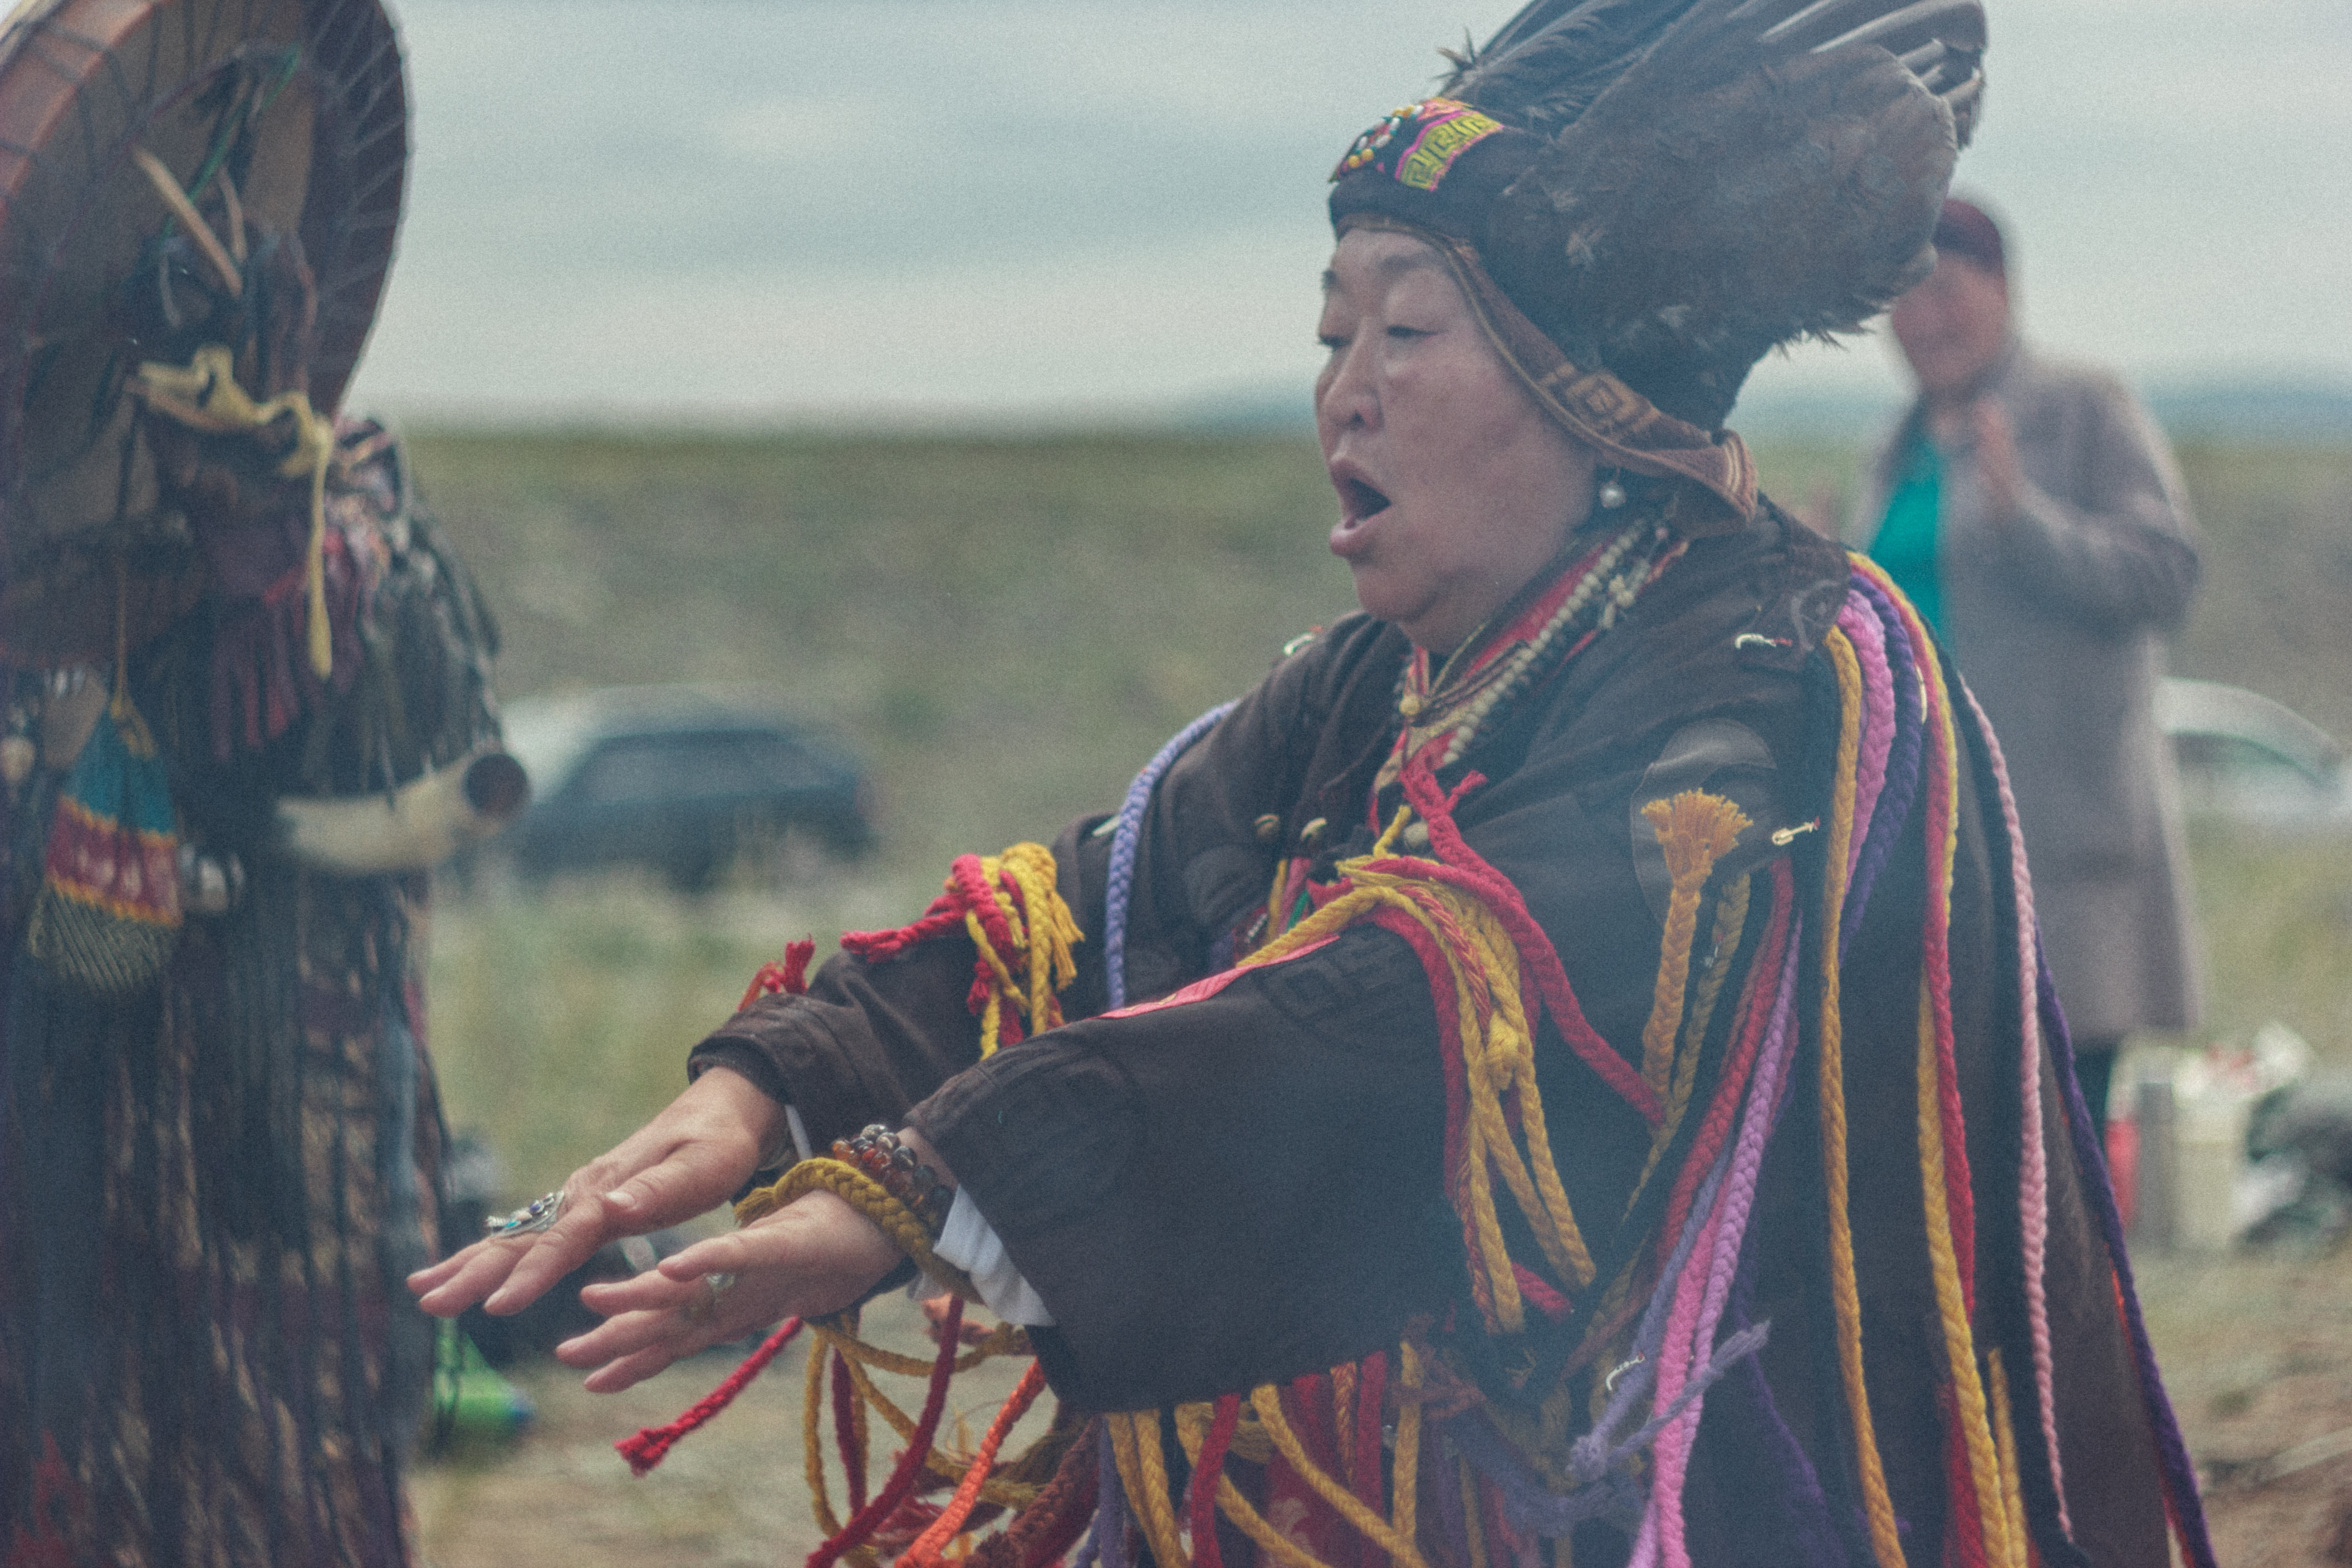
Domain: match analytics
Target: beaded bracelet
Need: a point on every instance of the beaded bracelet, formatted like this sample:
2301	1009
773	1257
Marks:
878	1152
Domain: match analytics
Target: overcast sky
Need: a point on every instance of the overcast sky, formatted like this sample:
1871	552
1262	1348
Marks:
989	210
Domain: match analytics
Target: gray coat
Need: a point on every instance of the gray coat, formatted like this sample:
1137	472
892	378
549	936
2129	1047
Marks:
2058	623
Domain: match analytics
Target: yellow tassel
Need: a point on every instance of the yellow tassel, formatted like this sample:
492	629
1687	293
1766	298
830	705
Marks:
1696	829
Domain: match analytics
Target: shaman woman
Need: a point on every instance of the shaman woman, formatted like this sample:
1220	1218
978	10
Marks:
1561	1065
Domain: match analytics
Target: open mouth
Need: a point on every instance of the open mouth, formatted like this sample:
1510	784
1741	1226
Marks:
1359	501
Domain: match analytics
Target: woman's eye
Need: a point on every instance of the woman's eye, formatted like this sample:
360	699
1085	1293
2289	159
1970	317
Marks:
1401	333
1332	343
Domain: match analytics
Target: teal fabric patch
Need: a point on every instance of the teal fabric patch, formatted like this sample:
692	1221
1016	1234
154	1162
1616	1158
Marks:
1906	538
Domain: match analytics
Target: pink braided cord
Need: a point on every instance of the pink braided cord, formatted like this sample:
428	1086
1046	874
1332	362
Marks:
1700	1295
1867	633
2033	1177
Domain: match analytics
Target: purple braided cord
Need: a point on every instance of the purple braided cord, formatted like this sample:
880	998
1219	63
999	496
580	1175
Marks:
1805	1505
1107	1542
2172	1453
1450	1517
1124	838
1590	1457
1902	785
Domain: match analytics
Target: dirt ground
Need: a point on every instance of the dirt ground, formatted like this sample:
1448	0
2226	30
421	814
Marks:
2257	1350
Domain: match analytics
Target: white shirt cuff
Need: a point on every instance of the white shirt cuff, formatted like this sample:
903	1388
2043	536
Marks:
971	1243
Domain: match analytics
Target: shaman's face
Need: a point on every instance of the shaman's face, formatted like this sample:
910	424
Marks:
1454	487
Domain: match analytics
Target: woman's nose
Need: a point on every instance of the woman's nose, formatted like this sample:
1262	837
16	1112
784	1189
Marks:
1348	395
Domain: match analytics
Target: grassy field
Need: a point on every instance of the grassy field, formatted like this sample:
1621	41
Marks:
1008	629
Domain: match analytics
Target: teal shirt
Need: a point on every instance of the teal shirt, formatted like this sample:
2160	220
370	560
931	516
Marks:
1905	540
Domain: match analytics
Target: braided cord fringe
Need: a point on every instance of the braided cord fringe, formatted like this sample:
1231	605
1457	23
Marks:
1143	1471
868	1197
1126	836
1943	1171
925	1551
2034	1174
1878	1506
851	1353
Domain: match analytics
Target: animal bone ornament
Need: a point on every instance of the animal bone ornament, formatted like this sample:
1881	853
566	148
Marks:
245	685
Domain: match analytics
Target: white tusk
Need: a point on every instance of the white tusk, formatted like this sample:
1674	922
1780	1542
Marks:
419	825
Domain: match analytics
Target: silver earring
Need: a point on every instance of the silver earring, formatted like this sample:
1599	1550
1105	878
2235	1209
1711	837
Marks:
1611	494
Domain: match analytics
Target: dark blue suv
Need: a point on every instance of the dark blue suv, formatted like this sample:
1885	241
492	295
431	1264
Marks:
680	778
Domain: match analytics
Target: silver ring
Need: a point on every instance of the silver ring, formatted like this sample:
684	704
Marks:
703	1306
534	1217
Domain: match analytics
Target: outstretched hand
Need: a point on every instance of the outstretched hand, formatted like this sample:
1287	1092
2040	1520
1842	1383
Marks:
689	1159
813	1256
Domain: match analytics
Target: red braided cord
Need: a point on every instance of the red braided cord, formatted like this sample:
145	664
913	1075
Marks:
942	916
1968	1547
1208	1469
1052	1525
911	1466
790	977
925	1551
646	1449
1449	1057
1463	866
845	1431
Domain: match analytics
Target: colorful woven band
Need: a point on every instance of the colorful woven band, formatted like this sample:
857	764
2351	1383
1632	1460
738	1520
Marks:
1417	143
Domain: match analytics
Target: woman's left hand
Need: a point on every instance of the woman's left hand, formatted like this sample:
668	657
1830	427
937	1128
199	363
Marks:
813	1256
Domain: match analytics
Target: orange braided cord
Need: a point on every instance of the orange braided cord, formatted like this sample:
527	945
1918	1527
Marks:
925	1551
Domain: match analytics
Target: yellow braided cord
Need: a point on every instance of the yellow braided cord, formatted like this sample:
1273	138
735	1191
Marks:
1267	1400
1730	925
2012	1494
1472	1525
868	1197
1404	1473
1878	1507
1385	844
813	1445
1499	1058
1191	1431
1006	1339
1696	829
1951	1307
1143	1471
1042	940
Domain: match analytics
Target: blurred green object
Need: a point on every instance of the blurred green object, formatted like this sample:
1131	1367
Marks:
473	1406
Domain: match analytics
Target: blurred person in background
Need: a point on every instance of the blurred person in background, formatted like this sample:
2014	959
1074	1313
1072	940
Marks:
2033	511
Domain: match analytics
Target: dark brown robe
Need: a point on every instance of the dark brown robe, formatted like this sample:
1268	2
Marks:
1218	1194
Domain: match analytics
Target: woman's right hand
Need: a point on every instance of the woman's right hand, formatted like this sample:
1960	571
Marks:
689	1159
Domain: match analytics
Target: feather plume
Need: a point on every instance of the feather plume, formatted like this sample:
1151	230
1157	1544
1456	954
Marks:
1678	132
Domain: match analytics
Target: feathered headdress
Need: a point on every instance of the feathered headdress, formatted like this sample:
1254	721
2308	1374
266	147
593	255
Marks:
1668	188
